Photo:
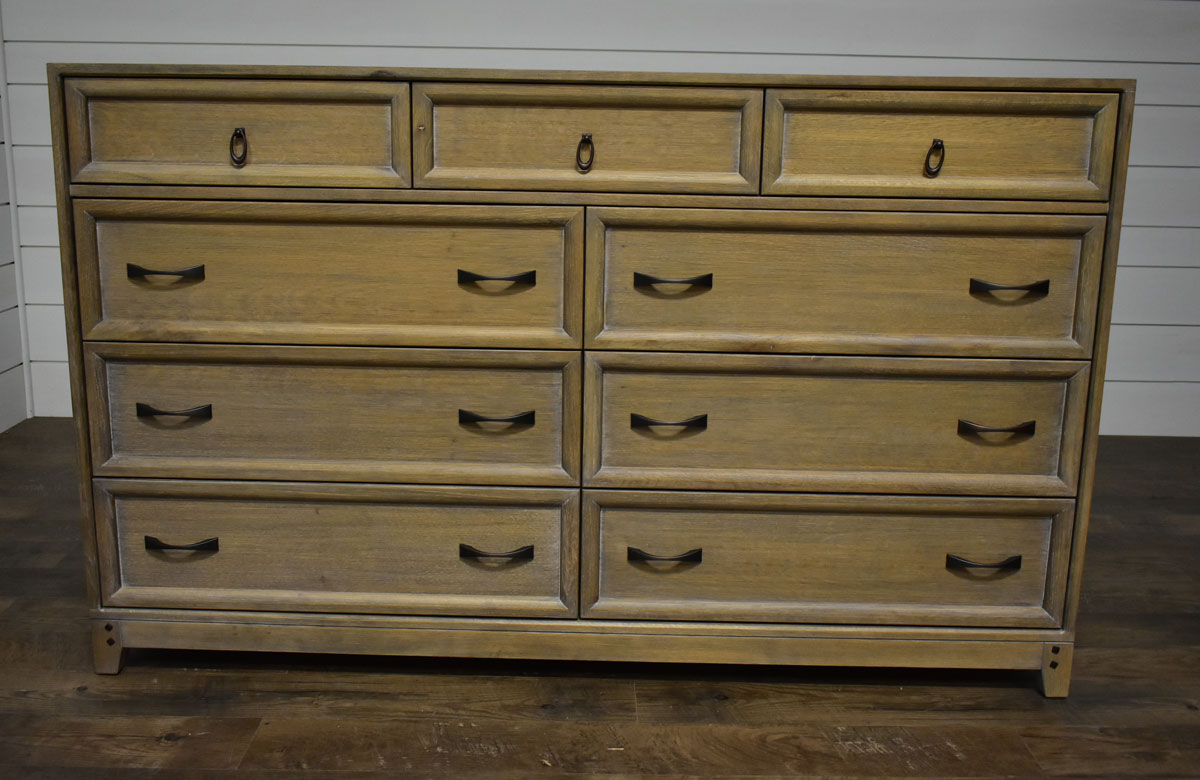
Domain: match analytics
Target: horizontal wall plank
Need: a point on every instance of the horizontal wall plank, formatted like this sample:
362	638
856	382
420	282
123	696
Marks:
33	169
12	397
1162	135
1160	246
1167	197
1157	296
1157	83
5	196
10	339
51	389
1160	30
47	333
38	225
8	286
29	114
7	247
1150	409
41	270
1159	353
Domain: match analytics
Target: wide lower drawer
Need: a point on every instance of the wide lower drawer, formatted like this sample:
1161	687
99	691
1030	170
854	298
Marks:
332	273
898	560
863	425
338	548
586	137
934	143
334	413
238	131
843	283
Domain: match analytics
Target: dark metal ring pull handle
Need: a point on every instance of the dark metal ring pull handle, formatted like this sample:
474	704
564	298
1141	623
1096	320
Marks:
520	554
524	418
955	562
979	287
642	421
936	147
467	277
966	427
646	280
238	139
691	556
154	543
581	164
196	413
134	271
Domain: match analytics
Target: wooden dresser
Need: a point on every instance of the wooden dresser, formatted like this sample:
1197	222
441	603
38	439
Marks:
569	365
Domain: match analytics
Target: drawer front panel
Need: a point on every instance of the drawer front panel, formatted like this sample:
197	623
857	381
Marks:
825	559
643	139
329	548
1051	146
843	282
181	131
334	413
871	425
330	273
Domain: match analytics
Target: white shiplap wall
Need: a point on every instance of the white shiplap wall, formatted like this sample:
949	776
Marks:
1154	367
13	374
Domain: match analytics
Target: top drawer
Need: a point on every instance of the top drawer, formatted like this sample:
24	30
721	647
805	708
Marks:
234	131
939	144
614	139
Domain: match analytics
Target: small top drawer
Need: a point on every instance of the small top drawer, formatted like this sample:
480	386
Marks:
1052	146
231	131
615	139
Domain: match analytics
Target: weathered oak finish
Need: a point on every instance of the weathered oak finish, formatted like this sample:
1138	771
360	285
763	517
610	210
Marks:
331	273
997	144
319	413
326	548
869	425
814	559
179	131
509	136
843	282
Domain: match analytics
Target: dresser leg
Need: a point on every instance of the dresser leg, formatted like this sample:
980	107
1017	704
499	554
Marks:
108	654
1056	670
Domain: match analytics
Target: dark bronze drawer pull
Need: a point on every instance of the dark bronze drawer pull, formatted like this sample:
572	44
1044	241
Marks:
468	277
1038	289
966	428
195	413
642	421
691	556
138	272
520	554
646	280
955	562
581	164
238	139
937	146
154	543
466	417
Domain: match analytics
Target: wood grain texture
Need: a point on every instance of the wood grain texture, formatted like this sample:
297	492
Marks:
644	139
842	282
297	133
839	424
334	413
1010	144
332	549
822	560
282	273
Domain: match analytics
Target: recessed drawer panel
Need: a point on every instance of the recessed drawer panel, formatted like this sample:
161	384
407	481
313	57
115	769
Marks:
238	131
330	273
825	559
579	137
333	548
336	413
1046	146
843	283
868	425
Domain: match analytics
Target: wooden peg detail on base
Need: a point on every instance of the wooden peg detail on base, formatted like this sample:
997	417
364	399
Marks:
108	652
1056	669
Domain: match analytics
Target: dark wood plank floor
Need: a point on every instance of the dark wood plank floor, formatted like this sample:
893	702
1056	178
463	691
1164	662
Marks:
1134	709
